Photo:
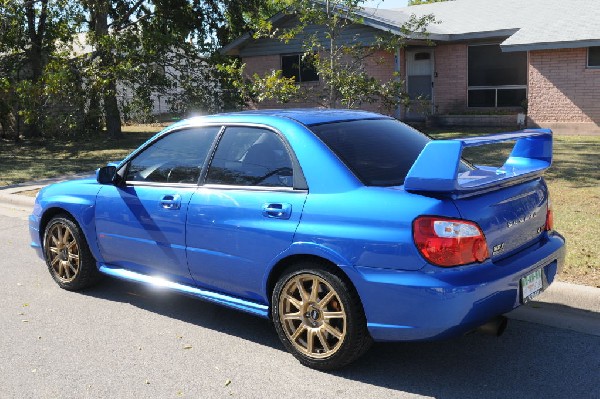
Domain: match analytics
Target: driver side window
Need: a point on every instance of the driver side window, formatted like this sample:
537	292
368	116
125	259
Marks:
248	156
175	158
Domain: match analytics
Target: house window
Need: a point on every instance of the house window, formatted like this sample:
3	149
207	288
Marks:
593	57
422	56
298	67
496	79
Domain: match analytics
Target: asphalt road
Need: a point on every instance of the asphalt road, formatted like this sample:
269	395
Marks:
120	340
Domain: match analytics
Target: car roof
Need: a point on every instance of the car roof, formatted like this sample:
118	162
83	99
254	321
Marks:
310	116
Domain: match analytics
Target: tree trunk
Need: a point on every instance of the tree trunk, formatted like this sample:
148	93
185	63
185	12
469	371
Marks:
111	108
8	123
92	121
35	33
111	112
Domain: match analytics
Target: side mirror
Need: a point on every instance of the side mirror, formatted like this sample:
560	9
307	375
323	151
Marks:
106	174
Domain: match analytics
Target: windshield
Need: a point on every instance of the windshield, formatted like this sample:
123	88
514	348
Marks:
378	151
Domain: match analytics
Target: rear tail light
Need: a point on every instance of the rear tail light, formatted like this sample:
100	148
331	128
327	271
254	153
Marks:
449	242
549	217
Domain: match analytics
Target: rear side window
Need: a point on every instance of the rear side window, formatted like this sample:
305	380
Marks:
248	156
379	152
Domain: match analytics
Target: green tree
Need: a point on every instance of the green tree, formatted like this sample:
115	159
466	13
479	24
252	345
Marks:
139	48
241	16
252	90
134	40
30	36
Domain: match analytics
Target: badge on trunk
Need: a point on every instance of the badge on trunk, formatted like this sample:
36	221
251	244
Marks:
498	248
521	220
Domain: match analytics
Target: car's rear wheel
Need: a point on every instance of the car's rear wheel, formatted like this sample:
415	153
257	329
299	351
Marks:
67	254
319	317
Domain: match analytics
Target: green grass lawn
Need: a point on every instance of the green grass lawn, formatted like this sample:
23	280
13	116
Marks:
33	160
574	180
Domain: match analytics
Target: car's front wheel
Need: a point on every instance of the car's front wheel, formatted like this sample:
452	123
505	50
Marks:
68	257
319	317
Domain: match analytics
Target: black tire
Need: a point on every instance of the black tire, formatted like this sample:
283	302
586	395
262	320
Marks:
325	327
68	257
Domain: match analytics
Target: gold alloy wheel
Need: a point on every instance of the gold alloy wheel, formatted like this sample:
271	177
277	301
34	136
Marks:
62	252
312	316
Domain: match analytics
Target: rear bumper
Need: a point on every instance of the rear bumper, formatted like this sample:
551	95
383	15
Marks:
435	303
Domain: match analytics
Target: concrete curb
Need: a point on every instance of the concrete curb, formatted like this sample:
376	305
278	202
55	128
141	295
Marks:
20	201
563	305
9	195
573	295
34	184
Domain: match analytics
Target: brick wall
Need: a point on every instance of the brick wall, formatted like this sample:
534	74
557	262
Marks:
261	65
450	84
561	88
381	65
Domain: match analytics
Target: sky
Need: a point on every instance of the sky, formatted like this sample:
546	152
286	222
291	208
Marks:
385	3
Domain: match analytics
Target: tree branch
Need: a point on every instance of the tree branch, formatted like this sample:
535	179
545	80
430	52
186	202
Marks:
125	18
42	22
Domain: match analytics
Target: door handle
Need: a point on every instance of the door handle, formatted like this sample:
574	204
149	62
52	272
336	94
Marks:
170	201
277	211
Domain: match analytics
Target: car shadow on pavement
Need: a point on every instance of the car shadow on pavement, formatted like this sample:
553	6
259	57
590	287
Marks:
188	309
528	361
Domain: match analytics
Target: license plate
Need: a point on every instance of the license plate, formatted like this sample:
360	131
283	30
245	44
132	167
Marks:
531	285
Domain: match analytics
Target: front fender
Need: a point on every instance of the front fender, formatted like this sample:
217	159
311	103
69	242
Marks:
76	198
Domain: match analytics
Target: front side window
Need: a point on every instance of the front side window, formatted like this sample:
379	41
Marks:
248	156
593	57
496	78
175	158
298	67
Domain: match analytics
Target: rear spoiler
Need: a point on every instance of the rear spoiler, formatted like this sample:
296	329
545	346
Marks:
436	169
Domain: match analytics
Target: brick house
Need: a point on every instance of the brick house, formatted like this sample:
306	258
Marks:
488	57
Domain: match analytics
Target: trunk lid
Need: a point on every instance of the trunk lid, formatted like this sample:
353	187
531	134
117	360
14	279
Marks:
511	219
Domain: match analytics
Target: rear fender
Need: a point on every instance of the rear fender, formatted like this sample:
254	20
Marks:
307	249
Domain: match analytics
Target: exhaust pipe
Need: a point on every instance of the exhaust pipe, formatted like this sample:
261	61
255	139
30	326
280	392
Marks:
494	327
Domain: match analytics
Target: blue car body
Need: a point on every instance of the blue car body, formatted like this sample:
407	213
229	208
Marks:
229	244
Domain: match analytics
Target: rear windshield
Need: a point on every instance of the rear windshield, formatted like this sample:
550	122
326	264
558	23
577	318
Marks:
378	151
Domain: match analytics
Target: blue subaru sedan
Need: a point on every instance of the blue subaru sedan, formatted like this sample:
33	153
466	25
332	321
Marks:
342	227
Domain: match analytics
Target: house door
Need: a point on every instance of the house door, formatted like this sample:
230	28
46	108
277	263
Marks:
419	83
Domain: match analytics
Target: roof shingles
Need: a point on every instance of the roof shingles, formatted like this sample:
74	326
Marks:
537	24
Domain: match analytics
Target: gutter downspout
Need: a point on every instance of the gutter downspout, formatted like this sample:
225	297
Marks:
398	70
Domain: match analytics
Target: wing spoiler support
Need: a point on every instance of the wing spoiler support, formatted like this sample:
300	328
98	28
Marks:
436	169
